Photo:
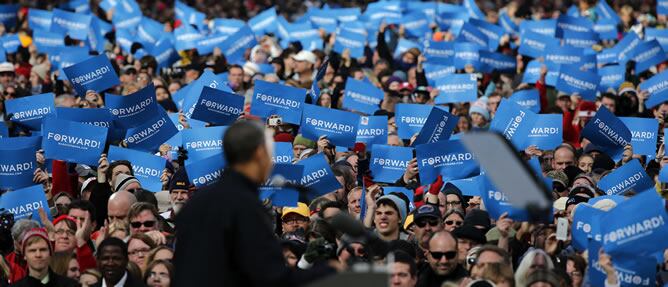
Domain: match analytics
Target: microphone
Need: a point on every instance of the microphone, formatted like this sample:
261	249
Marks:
348	225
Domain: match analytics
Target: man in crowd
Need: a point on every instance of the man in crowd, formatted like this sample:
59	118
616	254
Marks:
443	260
38	251
295	218
179	192
112	259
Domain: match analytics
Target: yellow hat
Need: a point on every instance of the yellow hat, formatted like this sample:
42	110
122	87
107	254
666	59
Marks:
301	209
408	222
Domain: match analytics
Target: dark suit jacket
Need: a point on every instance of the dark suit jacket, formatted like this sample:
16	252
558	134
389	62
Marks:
55	280
224	238
130	282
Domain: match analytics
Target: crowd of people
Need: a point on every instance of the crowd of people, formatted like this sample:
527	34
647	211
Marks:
104	227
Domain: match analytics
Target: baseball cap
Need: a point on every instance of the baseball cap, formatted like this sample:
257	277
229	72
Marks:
426	211
305	56
6	67
301	209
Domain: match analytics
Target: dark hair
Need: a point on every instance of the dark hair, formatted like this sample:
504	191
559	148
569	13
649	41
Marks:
112	241
235	66
578	262
117	163
138	207
166	263
499	251
83	205
144	195
241	141
401	256
328	204
343	169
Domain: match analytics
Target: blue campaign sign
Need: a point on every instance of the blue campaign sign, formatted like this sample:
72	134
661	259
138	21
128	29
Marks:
636	226
372	130
281	196
39	19
571	80
563	55
150	134
150	31
4	131
493	32
457	88
447	158
97	117
206	44
435	72
340	127
236	44
497	202
186	37
388	163
410	118
134	109
451	20
282	152
532	72
648	54
586	225
164	53
573	24
403	45
416	24
607	132
124	38
95	74
662	7
318	176
528	99
227	26
174	117
10	42
25	202
606	12
73	142
322	19
438	127
193	91
264	22
657	87
493	61
630	176
127	15
546	133
607	29
17	166
611	77
46	41
29	111
547	27
8	14
347	39
74	25
660	35
507	24
13	142
644	135
626	46
362	97
276	99
147	167
203	142
584	40
439	51
535	45
467	54
468	186
632	270
205	171
513	122
218	107
471	34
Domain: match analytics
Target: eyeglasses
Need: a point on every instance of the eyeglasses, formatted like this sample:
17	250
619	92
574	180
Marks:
138	224
161	275
293	221
65	232
422	223
455	222
9	94
453	203
142	251
448	255
113	218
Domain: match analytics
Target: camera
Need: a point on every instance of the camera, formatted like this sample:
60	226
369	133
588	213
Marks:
273	122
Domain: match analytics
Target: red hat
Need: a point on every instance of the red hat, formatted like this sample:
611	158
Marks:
284	137
39	232
406	86
586	109
64	217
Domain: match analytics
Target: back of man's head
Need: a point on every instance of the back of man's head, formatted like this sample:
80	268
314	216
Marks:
241	141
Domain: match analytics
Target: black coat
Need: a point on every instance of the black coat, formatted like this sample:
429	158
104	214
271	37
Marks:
55	280
428	278
131	281
224	238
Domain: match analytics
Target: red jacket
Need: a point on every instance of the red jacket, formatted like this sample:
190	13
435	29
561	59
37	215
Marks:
85	257
18	267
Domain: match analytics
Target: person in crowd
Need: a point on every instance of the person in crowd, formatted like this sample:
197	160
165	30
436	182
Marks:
65	264
139	247
112	260
179	192
442	257
403	270
90	277
160	273
38	251
144	219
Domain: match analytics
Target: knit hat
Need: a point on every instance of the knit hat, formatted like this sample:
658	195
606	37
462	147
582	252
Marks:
399	205
391	80
583	190
626	87
64	217
468	231
478	217
40	70
591	181
558	176
452	189
300	140
123	181
480	107
39	232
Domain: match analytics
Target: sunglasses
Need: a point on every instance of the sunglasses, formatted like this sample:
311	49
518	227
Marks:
422	223
448	255
138	224
455	222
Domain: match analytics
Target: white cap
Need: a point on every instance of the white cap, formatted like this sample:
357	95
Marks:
6	67
251	68
305	56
